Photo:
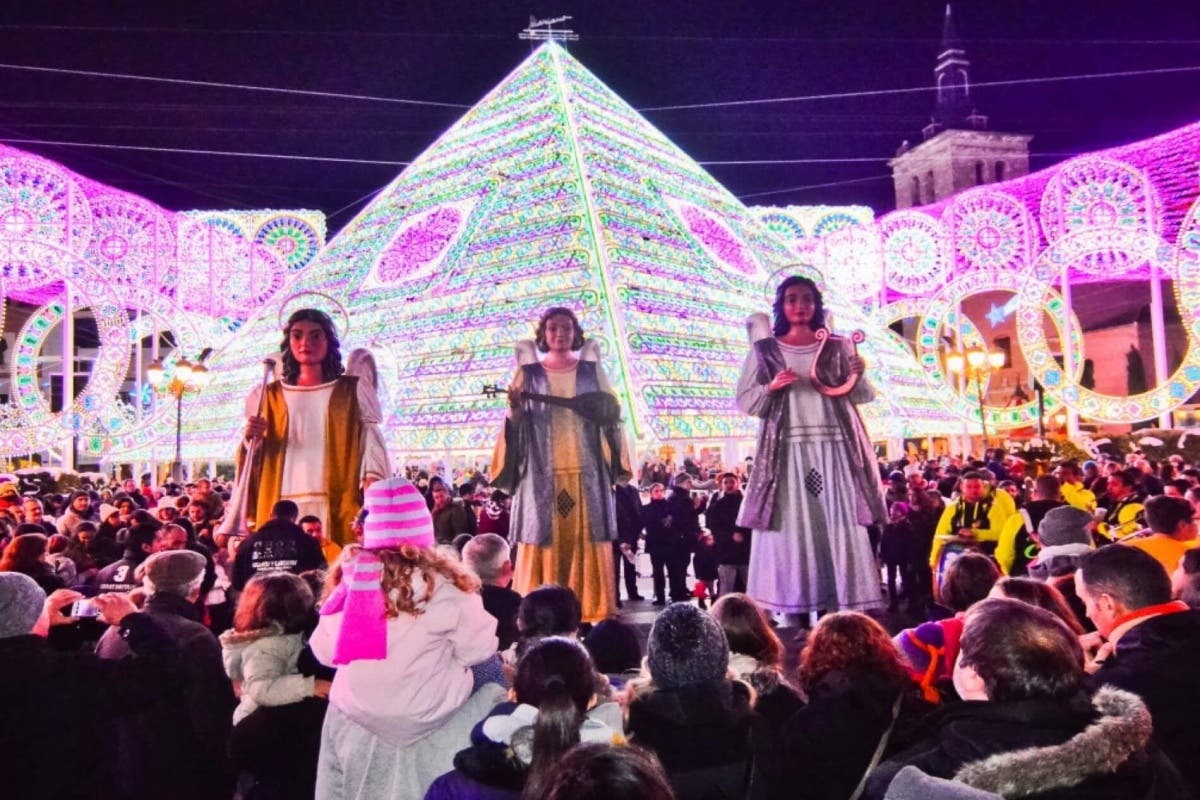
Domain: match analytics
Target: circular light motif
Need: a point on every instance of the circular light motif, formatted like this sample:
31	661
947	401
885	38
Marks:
293	239
16	223
134	241
852	262
1170	393
222	272
942	312
990	230
914	252
40	200
1100	195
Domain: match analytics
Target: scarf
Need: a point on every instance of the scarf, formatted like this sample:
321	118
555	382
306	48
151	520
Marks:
363	633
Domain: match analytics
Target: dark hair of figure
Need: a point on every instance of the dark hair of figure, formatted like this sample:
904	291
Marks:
279	597
780	325
1165	514
968	580
286	510
1131	576
1043	595
1021	652
549	610
607	772
555	676
332	366
746	629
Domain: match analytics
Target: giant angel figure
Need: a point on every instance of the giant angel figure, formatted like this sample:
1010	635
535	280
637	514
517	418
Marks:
815	483
318	432
560	466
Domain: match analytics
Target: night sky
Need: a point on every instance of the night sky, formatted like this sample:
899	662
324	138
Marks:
651	53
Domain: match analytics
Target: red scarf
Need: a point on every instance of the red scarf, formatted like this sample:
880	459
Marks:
1173	607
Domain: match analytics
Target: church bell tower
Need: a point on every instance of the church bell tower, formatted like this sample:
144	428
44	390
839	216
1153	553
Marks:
957	150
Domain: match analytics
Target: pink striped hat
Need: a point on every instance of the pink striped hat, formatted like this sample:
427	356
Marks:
396	515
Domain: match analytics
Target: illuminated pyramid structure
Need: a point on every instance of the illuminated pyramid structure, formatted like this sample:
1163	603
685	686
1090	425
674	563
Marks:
551	191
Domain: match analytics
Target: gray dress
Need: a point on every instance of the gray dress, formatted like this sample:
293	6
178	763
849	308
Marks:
816	556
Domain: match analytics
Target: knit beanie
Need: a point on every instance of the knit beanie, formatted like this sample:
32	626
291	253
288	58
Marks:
171	571
1064	525
686	647
397	516
21	601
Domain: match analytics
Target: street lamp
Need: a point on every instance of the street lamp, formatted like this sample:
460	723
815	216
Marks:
977	365
186	379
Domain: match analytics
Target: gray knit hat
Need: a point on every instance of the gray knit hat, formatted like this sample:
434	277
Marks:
171	571
21	601
1064	525
686	646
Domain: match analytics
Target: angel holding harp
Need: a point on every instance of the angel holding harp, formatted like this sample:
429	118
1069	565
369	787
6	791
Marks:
815	483
559	462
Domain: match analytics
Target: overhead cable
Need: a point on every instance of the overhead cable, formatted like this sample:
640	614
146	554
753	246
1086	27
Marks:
911	90
87	73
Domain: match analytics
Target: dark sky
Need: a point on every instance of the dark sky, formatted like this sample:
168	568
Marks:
651	52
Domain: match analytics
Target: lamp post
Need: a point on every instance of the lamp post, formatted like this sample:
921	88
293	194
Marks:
975	365
186	379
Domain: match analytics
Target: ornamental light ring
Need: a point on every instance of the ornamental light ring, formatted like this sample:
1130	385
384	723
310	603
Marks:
1169	394
915	252
941	311
39	427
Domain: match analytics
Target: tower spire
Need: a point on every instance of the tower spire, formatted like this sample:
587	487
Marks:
953	108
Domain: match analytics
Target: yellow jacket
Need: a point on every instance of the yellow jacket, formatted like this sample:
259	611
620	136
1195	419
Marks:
1125	518
999	508
1078	495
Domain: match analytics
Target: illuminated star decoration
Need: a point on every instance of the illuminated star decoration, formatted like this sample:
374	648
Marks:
997	314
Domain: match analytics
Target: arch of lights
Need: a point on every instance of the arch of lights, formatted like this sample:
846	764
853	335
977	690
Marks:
72	247
1130	213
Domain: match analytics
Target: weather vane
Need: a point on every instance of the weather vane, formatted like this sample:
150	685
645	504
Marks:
543	30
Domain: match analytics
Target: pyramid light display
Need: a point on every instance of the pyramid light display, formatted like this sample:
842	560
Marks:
551	191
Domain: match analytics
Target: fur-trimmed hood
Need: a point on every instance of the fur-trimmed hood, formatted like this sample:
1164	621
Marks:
232	638
1121	730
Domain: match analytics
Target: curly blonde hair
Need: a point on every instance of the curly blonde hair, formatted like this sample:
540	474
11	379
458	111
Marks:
399	563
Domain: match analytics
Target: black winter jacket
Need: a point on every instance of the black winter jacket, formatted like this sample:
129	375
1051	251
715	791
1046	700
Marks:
704	735
1159	660
176	747
56	726
1064	749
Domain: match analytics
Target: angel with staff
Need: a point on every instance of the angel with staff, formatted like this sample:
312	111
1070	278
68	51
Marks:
815	483
559	455
313	435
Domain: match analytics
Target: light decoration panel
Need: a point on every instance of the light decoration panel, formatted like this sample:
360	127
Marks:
550	191
71	245
795	223
1123	214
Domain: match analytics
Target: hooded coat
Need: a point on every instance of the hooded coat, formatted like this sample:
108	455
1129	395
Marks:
1044	748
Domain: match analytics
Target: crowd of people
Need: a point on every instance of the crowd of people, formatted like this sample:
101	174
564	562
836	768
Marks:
1053	640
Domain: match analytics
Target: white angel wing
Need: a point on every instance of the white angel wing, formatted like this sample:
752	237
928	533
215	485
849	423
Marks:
526	352
361	364
758	326
590	351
